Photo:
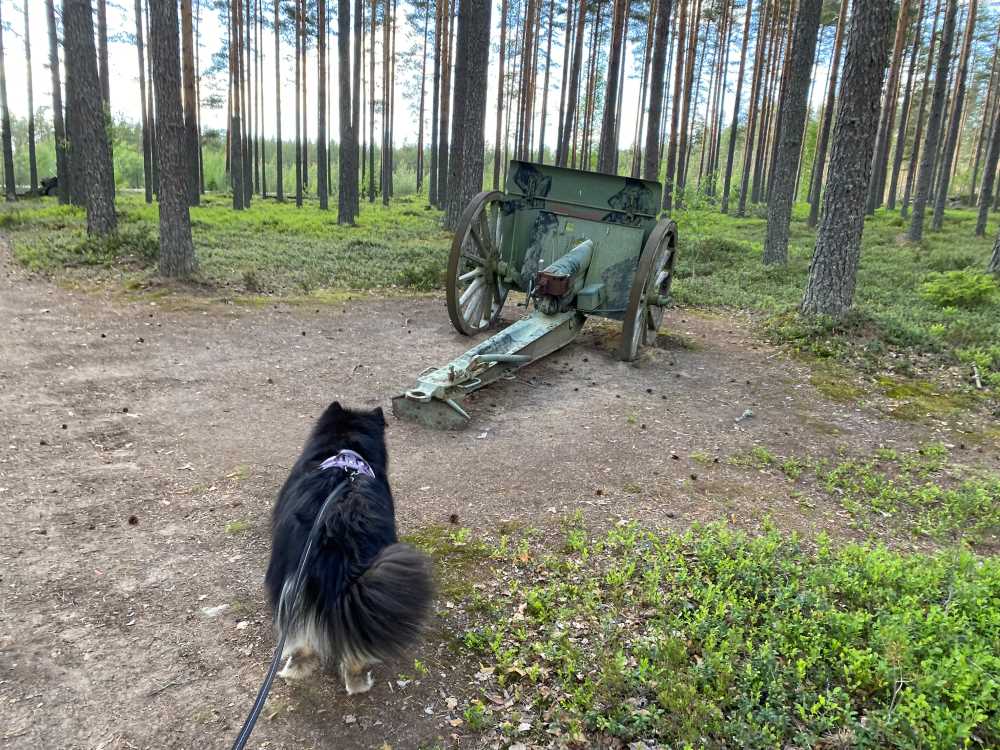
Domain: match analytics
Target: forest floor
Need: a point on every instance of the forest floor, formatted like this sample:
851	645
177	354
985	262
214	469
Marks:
147	427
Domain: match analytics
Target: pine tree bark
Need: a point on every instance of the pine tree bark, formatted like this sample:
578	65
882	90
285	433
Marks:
651	154
347	181
436	105
454	204
904	109
236	162
753	108
105	79
911	171
176	248
357	108
608	151
90	137
298	103
545	85
500	92
32	163
833	271
994	265
733	128
322	183
279	184
445	104
984	126
930	146
474	26
570	120
669	179
62	171
10	189
792	121
147	155
190	104
420	109
829	105
989	175
371	107
954	129
880	160
150	109
682	146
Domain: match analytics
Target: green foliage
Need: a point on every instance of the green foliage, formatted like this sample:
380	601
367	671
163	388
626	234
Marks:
719	639
963	288
270	248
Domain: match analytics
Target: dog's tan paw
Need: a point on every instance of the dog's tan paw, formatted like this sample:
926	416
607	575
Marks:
297	668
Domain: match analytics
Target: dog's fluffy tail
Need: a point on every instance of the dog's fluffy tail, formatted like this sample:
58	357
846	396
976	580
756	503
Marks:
384	609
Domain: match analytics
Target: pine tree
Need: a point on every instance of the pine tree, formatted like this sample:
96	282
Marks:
651	154
89	135
911	171
32	163
190	104
934	124
727	180
59	128
904	109
954	126
833	270
793	115
176	248
10	190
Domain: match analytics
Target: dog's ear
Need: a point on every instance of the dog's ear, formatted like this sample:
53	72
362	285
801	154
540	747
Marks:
335	408
377	412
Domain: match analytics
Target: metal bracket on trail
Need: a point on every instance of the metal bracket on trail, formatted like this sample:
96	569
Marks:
577	244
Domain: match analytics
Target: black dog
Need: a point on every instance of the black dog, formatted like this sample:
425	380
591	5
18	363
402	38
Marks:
363	596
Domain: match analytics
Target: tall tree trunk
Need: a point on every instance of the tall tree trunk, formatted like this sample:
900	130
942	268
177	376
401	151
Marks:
90	137
420	117
570	121
793	115
880	160
190	104
454	205
260	98
668	182
247	143
386	102
305	94
753	110
436	103
733	128
105	79
347	181
356	108
760	157
904	109
32	164
545	84
471	66
147	155
992	91
10	189
298	103
994	264
911	171
822	142
322	184
608	150
371	108
235	115
989	174
832	273
150	110
500	92
651	155
445	113
176	248
279	180
954	129
930	147
62	171
682	147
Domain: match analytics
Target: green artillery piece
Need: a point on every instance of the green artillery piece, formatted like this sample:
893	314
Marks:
576	244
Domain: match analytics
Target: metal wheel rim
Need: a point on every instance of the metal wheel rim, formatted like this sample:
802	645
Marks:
653	277
475	292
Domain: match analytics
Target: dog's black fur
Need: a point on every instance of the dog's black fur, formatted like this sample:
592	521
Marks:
364	595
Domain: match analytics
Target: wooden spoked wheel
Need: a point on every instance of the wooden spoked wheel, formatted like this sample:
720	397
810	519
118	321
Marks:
650	290
475	291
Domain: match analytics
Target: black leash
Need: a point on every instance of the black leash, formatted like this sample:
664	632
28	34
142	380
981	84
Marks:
265	688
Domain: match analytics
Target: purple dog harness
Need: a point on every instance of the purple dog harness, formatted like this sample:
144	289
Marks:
350	462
